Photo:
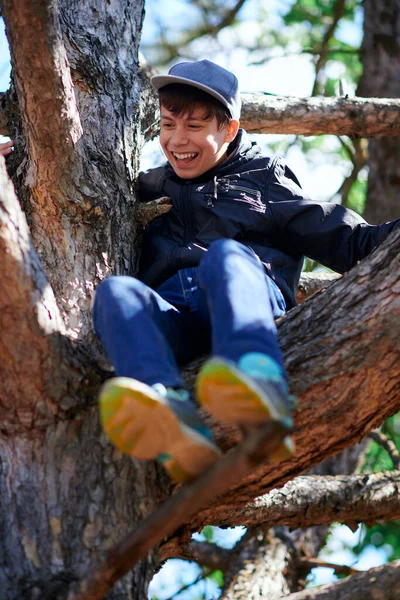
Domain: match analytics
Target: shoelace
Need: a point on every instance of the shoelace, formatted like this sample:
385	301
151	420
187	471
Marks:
179	394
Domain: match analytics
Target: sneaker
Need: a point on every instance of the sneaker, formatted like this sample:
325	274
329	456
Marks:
248	394
154	422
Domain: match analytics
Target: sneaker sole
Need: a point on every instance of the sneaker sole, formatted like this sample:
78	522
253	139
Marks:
232	397
140	423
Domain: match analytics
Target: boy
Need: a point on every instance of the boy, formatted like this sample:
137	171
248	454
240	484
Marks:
216	270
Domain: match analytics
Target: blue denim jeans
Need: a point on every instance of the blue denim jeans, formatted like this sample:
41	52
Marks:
226	306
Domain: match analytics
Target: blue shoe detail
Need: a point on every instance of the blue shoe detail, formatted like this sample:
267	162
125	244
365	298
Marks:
260	366
247	394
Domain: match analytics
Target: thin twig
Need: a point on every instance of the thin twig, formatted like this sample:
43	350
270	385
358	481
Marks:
199	577
322	59
206	554
326	51
170	51
312	563
385	442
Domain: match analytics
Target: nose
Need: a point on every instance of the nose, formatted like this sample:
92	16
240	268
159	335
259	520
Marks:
179	137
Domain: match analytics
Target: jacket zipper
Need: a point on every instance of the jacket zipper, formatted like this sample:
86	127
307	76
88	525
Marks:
187	214
225	185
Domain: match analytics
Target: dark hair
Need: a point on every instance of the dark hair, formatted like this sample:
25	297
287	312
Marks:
182	99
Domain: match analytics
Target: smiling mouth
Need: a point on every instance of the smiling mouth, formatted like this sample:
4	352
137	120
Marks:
187	157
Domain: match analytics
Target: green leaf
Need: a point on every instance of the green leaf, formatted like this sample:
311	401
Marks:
208	533
357	195
218	577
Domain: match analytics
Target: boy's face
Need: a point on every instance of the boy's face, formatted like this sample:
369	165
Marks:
192	144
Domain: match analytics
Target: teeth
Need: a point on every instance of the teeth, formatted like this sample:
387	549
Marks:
183	156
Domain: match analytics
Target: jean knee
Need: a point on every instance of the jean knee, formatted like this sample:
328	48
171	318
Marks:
113	291
221	249
225	245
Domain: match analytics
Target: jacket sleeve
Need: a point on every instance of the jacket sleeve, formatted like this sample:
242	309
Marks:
329	233
151	184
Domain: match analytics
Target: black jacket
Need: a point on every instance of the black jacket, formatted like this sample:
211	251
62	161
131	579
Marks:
257	201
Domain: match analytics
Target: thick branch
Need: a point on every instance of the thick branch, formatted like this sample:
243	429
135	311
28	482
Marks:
381	583
276	568
321	500
311	283
367	117
261	567
43	82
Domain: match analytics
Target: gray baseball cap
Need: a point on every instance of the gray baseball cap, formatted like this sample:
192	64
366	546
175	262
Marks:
207	76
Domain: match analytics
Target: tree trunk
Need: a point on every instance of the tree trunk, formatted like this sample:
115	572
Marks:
381	78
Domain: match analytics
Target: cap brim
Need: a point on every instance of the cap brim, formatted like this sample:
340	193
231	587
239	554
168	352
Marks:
160	81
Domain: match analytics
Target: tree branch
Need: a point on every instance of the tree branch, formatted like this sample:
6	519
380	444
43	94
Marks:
264	557
381	582
43	83
359	159
205	554
338	11
367	117
312	563
171	51
386	443
321	500
333	368
311	283
311	501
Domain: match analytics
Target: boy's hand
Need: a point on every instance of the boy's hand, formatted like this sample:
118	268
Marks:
150	210
6	148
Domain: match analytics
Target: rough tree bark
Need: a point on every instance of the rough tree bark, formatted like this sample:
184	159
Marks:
64	492
314	116
381	78
79	112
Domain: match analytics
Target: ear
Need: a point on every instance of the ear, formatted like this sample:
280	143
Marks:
231	130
